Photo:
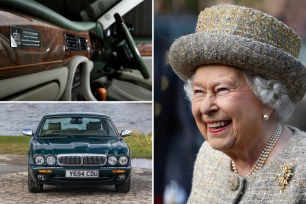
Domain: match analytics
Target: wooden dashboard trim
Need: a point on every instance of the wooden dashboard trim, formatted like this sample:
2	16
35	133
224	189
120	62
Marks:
18	61
16	71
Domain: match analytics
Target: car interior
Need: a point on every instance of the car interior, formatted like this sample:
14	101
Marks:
66	50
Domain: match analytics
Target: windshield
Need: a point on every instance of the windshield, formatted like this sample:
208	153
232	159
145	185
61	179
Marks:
77	126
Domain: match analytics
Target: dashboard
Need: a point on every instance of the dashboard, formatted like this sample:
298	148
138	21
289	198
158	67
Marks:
29	45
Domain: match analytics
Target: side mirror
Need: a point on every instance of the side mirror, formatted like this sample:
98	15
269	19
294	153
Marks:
125	133
27	132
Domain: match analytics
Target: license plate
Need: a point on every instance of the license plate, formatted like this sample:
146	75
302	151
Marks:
82	174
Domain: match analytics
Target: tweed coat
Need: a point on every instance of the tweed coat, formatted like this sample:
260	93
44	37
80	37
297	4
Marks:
215	182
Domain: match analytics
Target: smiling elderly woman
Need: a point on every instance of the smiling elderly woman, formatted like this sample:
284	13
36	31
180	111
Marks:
243	80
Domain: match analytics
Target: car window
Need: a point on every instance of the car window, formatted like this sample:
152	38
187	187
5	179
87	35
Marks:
77	126
80	10
139	17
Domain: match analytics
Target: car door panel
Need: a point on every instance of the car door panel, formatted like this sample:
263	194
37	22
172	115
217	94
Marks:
22	87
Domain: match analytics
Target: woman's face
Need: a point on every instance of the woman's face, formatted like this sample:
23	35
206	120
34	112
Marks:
226	111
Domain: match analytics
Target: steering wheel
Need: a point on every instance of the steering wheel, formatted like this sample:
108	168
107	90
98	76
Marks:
138	61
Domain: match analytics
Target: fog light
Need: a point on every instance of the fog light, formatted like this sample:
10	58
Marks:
41	177
121	177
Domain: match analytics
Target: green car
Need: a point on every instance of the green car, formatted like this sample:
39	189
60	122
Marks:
78	148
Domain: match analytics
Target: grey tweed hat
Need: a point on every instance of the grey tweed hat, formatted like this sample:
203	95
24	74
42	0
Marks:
246	39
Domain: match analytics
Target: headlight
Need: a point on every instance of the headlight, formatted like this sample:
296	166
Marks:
40	160
112	160
51	160
123	160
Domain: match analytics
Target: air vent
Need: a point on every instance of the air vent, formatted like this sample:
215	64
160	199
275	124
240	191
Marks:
83	43
75	43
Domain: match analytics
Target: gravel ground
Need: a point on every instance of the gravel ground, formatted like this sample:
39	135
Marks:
13	187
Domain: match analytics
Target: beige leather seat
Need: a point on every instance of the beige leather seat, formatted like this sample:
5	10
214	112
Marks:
54	128
94	128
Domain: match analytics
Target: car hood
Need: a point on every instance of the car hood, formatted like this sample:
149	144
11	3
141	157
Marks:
92	145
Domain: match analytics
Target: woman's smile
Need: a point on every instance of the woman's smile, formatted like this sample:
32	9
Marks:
220	126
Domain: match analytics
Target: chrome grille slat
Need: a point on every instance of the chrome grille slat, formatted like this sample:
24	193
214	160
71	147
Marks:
81	159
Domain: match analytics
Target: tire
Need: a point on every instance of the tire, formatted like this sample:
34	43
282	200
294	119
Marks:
32	186
124	187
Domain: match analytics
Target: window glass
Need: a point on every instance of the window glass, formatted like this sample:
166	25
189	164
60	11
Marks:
81	126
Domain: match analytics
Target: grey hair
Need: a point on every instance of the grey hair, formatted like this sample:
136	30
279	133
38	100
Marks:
269	92
188	88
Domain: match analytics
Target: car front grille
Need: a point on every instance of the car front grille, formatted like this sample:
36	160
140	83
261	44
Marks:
81	159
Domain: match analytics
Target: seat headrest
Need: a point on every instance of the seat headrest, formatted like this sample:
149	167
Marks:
54	126
93	126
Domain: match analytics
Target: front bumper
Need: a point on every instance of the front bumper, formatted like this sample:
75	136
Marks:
56	175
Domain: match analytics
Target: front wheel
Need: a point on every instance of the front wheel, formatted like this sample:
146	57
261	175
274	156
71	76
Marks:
124	187
32	186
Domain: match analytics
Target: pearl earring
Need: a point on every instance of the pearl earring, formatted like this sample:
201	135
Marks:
266	117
